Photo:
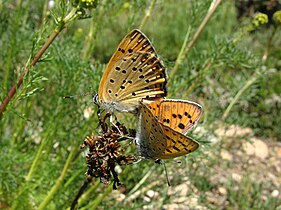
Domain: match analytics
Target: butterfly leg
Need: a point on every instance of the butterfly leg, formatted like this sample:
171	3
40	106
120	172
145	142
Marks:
102	120
111	119
139	159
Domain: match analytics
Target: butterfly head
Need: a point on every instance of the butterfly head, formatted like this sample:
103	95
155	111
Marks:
96	99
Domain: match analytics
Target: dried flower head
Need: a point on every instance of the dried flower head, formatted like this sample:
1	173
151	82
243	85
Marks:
105	153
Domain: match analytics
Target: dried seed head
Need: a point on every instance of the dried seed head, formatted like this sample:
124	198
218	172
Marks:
105	152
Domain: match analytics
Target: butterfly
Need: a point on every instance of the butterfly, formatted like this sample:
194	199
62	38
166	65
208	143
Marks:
161	127
134	72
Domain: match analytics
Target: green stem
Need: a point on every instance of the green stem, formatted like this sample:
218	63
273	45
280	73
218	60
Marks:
186	48
26	15
266	53
37	157
11	49
59	181
69	17
183	52
147	14
86	196
146	176
252	79
73	177
34	165
89	43
93	205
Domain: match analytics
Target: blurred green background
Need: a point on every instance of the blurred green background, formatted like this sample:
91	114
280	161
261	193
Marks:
238	164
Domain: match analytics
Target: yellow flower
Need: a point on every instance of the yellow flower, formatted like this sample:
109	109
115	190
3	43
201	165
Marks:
85	3
126	5
260	19
277	17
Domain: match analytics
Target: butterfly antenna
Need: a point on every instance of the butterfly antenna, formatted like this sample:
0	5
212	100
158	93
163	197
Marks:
165	169
78	96
166	173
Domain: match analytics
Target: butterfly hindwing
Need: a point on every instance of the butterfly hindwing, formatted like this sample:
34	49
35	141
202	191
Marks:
154	106
177	144
168	114
180	115
150	137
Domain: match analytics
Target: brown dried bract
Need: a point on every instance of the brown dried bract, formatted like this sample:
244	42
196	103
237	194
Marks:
105	152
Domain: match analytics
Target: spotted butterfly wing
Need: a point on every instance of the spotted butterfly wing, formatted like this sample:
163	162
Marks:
158	141
180	115
150	136
154	106
134	72
177	144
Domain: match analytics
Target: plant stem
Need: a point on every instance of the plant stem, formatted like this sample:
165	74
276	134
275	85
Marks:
136	194
147	14
35	59
186	49
146	176
11	48
86	196
26	70
48	136
252	79
183	52
93	205
266	53
80	192
89	43
59	181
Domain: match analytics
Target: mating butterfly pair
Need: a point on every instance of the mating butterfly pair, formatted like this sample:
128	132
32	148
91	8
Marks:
135	80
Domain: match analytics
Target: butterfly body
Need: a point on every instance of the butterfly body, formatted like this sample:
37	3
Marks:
134	72
157	139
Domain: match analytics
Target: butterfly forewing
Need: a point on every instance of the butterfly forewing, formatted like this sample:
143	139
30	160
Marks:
180	115
177	144
150	136
134	72
135	41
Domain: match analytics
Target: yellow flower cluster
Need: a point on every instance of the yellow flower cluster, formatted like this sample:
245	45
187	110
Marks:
88	3
277	17
260	19
85	4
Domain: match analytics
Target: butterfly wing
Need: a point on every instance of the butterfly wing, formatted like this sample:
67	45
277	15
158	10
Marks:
150	138
180	115
134	72
177	144
154	106
135	41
